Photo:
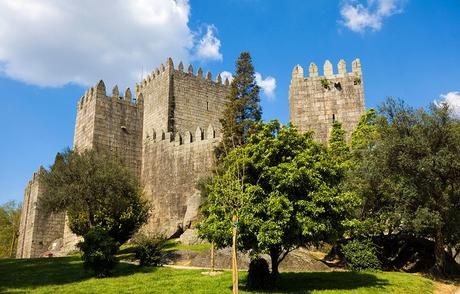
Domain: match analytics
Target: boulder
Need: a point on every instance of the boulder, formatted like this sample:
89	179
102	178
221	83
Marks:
56	245
190	237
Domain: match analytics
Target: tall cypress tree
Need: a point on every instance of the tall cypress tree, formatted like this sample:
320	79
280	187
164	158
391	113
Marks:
243	111
337	144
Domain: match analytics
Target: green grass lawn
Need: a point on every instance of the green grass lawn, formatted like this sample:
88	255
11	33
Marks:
66	275
127	251
174	244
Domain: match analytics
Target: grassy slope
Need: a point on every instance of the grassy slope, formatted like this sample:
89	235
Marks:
66	275
174	244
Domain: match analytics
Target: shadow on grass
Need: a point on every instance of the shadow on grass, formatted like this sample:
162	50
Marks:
311	281
31	273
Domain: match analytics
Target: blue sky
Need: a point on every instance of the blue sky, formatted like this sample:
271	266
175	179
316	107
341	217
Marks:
50	52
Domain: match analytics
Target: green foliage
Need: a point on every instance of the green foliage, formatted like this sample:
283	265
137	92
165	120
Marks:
361	255
337	144
10	214
357	80
365	134
258	275
95	189
284	188
150	250
243	111
364	177
99	250
409	178
325	83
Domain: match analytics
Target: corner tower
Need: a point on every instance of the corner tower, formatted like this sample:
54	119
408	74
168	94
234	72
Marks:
315	102
110	122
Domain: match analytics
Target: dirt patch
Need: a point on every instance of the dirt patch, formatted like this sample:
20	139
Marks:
441	288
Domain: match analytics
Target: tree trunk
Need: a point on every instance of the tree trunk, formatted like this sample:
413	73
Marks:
234	257
274	256
212	256
440	254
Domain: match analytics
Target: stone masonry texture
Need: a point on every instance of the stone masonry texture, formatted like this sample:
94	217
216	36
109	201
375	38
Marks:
315	102
37	230
166	132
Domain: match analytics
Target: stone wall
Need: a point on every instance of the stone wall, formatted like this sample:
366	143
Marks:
171	167
198	101
37	229
315	102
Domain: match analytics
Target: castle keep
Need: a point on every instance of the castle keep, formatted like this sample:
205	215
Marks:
166	132
315	102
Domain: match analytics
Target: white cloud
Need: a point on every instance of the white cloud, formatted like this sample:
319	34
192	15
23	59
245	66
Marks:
226	75
55	42
358	17
453	100
209	46
267	85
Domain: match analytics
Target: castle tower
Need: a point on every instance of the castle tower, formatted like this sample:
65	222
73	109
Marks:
112	123
180	129
178	101
37	230
315	102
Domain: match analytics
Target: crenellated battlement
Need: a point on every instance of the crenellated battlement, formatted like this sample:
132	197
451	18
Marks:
328	70
316	101
99	92
182	138
169	69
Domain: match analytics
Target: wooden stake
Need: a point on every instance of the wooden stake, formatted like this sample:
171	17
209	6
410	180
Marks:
234	257
212	256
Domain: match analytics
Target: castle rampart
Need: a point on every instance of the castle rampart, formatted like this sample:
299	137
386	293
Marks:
316	101
173	162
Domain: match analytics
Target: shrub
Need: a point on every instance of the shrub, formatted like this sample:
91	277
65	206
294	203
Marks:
325	83
361	255
99	251
150	250
258	274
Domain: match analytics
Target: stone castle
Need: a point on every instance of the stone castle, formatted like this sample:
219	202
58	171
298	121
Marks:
166	134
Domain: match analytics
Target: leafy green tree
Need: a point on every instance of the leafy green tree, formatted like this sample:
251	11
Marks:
364	178
240	119
102	199
410	178
365	134
337	144
99	251
284	188
243	112
95	189
10	214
